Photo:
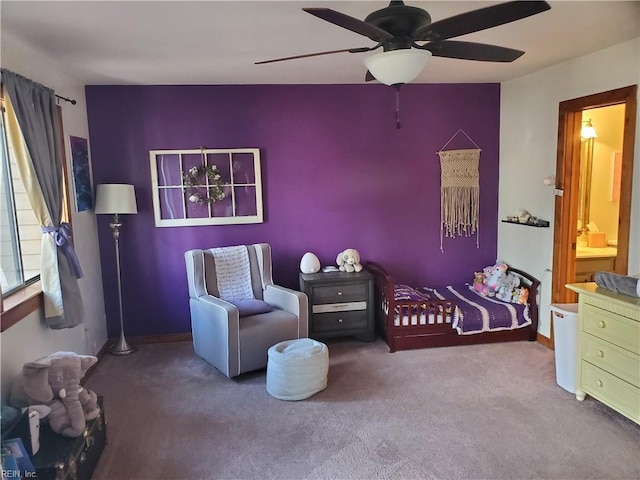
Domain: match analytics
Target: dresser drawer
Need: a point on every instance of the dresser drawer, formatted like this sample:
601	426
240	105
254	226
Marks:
616	393
611	327
332	322
339	293
615	360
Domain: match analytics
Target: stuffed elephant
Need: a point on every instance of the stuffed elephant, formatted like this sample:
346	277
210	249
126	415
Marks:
55	381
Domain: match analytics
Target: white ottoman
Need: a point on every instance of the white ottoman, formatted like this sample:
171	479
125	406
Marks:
297	369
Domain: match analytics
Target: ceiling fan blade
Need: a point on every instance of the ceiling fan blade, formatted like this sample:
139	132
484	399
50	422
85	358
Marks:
317	54
472	51
480	19
350	23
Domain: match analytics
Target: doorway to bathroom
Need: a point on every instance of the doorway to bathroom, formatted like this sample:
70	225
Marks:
599	191
594	174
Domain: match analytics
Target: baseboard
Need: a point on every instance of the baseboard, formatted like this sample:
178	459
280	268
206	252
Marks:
101	353
546	341
169	338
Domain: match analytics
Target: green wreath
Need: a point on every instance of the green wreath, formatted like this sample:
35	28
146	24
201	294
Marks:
207	176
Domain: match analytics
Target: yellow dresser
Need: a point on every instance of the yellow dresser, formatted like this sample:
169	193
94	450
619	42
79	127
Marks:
608	353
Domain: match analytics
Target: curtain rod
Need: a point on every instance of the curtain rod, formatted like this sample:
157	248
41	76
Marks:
71	101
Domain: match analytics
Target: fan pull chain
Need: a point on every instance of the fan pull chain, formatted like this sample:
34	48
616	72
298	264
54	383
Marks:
397	107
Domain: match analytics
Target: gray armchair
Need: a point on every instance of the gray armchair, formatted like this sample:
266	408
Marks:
234	335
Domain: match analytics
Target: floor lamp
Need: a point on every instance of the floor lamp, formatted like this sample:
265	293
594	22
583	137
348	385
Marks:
117	199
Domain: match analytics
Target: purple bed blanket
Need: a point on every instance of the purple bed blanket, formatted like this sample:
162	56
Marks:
477	313
474	313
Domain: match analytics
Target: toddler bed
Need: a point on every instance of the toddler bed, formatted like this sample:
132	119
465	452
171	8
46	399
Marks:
408	317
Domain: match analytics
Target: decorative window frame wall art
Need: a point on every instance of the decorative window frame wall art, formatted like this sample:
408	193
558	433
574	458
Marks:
81	173
206	186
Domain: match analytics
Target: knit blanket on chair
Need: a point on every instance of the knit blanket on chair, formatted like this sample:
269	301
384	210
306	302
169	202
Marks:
233	273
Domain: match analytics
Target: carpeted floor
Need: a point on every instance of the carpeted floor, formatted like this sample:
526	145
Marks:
473	412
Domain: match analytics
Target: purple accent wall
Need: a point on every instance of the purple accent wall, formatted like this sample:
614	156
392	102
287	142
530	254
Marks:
336	174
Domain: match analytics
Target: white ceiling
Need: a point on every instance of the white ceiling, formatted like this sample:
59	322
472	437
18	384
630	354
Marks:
216	42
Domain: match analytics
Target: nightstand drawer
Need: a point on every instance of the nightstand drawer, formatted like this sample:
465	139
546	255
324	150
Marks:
333	322
338	307
611	327
615	360
339	293
618	394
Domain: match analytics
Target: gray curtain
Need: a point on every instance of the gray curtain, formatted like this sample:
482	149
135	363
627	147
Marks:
34	108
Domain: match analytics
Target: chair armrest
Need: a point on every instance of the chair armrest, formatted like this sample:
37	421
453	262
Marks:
215	327
217	303
290	301
210	309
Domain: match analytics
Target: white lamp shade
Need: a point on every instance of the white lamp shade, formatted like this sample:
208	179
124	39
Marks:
115	198
588	131
397	66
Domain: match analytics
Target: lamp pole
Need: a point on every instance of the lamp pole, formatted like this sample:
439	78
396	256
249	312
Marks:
121	347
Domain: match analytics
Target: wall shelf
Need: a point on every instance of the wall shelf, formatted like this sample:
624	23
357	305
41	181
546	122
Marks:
526	224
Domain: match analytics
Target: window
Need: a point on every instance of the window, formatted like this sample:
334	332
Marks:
20	235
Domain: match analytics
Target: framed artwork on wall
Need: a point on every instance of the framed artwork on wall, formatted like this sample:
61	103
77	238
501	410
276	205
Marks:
81	168
206	186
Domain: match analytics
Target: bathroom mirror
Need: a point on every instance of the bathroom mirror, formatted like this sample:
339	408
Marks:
600	168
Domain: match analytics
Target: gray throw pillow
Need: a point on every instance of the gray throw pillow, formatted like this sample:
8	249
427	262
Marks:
251	307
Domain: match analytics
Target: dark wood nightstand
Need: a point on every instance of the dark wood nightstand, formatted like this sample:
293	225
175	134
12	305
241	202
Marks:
340	304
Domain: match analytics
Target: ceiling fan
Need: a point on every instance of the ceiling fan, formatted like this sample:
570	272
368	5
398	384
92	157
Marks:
401	30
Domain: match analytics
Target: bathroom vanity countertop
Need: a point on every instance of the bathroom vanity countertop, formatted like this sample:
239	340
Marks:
592	252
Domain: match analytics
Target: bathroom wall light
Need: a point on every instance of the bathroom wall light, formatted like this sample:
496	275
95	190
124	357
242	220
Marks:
588	130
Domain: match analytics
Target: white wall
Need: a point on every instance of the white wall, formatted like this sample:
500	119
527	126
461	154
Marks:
528	151
30	339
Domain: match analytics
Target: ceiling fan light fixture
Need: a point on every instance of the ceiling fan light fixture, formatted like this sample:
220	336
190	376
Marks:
397	66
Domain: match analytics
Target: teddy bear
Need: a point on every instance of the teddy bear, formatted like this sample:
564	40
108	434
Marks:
55	381
349	260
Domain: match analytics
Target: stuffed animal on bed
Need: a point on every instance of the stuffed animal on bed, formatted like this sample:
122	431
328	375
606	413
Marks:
496	272
478	281
349	260
506	286
520	295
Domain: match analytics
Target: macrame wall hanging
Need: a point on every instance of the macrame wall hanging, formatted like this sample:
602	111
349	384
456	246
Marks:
459	191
